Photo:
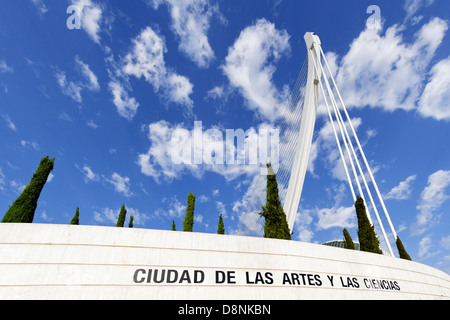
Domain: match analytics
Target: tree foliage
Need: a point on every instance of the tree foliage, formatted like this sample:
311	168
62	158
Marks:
130	224
188	223
221	227
348	241
174	228
276	226
122	216
368	240
76	218
401	250
23	208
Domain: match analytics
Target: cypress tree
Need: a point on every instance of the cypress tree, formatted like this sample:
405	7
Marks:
23	208
348	242
130	224
401	250
76	218
188	222
173	225
220	228
276	226
122	215
368	240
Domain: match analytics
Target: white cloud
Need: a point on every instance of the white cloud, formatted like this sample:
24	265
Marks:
8	120
202	198
4	86
445	242
247	208
65	117
30	144
175	208
121	184
435	100
50	178
4	68
336	216
382	70
309	220
40	5
146	59
126	106
107	215
2	180
69	88
303	221
250	224
218	96
403	190
221	208
157	161
89	175
431	200
139	217
424	247
216	93
343	217
249	67
178	89
17	187
45	217
73	89
92	124
88	75
190	23
198	218
325	147
412	6
91	15
170	157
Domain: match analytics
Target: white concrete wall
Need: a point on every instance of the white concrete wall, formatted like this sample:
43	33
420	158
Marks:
83	262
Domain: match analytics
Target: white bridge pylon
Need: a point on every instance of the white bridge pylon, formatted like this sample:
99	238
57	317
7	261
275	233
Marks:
318	80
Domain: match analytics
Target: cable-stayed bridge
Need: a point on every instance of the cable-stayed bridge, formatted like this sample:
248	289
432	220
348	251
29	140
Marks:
315	82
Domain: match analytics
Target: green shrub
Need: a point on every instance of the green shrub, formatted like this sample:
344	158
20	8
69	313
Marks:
276	226
401	250
348	241
122	216
368	240
76	218
188	223
23	208
220	228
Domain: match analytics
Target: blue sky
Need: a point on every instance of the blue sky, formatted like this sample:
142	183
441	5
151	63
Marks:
105	99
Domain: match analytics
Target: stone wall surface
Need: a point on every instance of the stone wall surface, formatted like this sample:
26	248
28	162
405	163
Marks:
87	262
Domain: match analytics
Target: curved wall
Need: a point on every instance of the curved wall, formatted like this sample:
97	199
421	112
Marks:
84	262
